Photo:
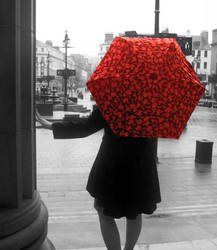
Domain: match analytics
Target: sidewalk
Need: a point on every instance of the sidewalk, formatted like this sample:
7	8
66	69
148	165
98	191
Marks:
185	219
184	245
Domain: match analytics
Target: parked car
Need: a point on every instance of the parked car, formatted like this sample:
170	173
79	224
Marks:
205	103
201	103
209	104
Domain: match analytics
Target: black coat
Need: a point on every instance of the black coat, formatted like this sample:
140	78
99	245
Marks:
124	175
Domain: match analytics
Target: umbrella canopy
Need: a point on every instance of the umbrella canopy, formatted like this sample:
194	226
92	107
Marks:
145	87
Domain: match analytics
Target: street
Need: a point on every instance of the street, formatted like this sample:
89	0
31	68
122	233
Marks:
80	153
187	213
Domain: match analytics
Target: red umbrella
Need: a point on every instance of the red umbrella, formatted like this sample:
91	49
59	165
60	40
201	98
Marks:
145	87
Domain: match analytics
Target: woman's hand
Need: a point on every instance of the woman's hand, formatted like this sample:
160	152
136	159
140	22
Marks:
45	123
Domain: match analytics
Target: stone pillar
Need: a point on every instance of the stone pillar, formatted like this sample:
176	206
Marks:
23	216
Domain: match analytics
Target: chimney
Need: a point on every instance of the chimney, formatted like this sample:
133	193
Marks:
108	37
49	42
204	39
214	36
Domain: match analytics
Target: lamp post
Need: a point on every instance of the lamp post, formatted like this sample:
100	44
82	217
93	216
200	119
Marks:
156	31
48	69
65	73
157	13
66	43
42	69
43	89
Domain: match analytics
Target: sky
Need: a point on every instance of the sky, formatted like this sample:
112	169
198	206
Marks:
87	21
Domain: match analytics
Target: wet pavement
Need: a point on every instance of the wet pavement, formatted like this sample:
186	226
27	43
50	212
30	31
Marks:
201	125
186	217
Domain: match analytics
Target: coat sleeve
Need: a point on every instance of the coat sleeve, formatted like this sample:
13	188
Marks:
82	128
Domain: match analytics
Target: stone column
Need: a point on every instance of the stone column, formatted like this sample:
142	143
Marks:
23	216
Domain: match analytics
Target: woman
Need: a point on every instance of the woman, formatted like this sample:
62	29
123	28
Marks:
123	179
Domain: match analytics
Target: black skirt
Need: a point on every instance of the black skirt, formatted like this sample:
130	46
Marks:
123	179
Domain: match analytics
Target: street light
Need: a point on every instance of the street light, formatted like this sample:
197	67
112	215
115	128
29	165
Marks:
42	68
48	69
156	31
65	73
65	45
157	13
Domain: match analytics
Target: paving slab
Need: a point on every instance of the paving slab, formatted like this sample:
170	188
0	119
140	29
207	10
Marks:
185	219
183	245
188	210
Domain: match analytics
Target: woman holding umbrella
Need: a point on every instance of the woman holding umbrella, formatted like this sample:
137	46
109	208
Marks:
123	179
144	88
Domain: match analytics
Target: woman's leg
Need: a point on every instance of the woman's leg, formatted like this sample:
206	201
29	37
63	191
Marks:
109	231
133	230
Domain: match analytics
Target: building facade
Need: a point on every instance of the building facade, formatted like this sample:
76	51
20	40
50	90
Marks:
49	59
213	76
103	47
214	53
83	70
201	60
201	56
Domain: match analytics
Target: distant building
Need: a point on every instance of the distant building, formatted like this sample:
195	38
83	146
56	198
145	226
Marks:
56	59
201	59
48	59
83	69
213	77
201	56
214	52
103	47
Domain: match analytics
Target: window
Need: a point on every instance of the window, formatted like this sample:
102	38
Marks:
198	53
193	52
107	48
205	65
198	65
101	48
42	49
205	53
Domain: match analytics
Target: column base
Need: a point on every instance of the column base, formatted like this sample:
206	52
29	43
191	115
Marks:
31	236
47	245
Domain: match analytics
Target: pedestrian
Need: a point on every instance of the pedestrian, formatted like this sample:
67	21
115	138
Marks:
123	179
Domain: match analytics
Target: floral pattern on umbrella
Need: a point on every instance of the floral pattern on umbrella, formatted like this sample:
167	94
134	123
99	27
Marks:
145	87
